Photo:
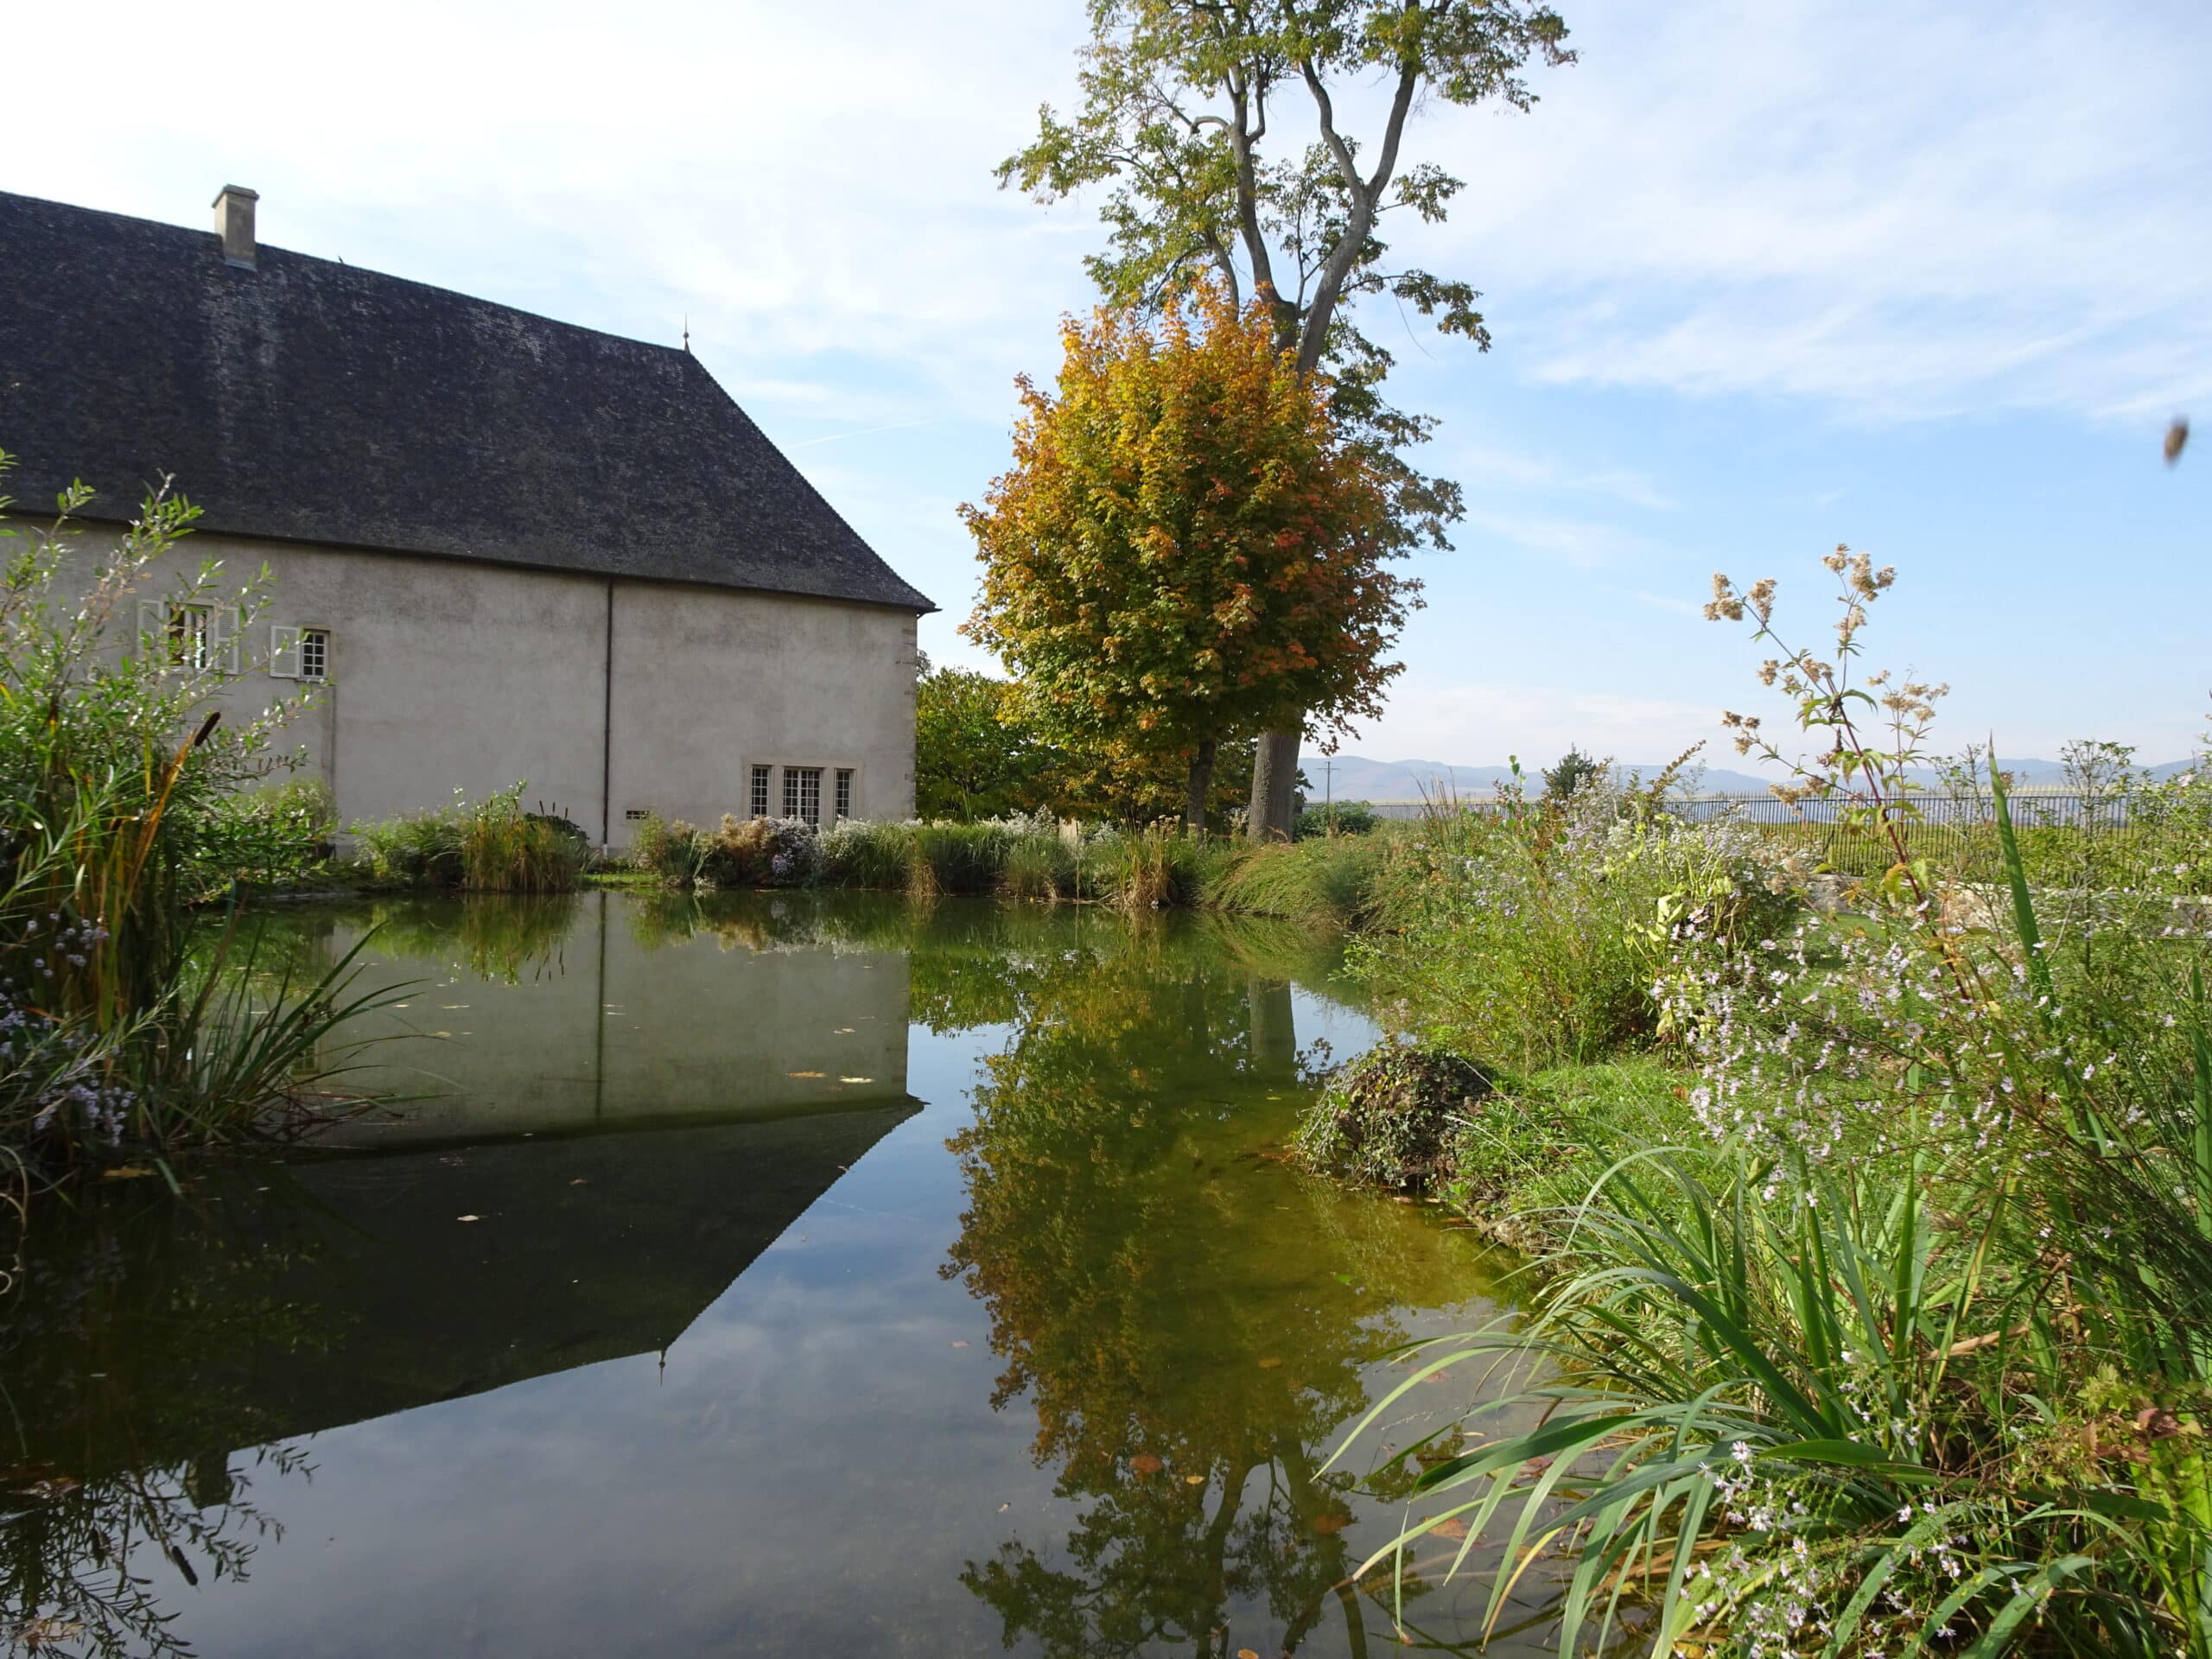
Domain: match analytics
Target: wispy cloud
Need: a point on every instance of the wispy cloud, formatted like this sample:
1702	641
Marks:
1905	212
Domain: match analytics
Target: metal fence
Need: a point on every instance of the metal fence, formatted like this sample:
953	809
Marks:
2067	837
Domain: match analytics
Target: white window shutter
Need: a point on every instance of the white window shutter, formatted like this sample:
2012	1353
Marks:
152	632
283	651
224	623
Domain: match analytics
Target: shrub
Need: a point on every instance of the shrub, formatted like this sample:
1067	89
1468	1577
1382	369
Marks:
672	854
1147	869
1337	818
1040	866
488	846
121	806
964	858
1533	932
1392	1116
761	853
505	849
876	857
1331	881
418	850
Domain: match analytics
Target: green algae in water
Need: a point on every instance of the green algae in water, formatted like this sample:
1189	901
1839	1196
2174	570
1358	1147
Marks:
761	1275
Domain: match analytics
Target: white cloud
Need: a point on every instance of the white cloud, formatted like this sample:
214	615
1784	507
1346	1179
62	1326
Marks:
1904	211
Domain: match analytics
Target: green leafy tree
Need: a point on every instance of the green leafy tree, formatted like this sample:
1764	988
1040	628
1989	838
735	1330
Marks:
1184	108
1571	771
1187	549
975	756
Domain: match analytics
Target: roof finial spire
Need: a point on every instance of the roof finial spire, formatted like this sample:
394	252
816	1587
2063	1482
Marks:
686	333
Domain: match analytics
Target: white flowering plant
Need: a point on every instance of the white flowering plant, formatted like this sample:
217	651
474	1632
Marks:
1909	1349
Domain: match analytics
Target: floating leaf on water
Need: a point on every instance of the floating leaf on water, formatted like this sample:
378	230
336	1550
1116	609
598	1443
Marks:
469	1218
843	1031
1246	1653
581	1180
803	1074
856	1079
1194	1480
125	1173
1330	1522
1145	1463
960	1345
1453	1527
1003	1508
1270	1363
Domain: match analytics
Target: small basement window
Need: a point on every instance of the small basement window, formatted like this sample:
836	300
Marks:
803	794
636	814
844	791
759	791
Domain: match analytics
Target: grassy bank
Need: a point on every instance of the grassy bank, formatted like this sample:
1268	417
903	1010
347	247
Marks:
1871	1310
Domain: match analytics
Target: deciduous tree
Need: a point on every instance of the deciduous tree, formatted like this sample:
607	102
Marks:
1183	104
1188	548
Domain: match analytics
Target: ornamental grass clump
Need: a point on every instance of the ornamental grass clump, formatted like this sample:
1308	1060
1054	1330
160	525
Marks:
1912	1352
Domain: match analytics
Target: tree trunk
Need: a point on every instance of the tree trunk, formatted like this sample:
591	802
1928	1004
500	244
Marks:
1194	811
1275	773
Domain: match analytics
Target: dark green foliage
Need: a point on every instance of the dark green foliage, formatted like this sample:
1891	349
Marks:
1393	1115
975	756
1570	773
1336	818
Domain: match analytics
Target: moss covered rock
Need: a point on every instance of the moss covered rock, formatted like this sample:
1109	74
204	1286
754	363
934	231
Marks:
1392	1116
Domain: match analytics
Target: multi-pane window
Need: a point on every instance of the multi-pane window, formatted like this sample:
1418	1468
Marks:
759	791
299	653
190	636
803	793
182	634
844	792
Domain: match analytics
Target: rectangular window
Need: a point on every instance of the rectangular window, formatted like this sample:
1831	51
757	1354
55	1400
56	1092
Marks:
315	653
299	653
803	794
844	791
190	636
759	791
636	814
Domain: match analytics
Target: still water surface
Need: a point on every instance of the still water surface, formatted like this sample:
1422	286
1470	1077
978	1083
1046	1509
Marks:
762	1276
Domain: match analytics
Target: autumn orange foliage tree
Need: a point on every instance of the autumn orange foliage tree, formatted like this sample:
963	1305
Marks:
1187	549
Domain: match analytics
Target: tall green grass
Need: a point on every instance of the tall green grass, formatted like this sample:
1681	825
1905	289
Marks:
1898	1338
493	845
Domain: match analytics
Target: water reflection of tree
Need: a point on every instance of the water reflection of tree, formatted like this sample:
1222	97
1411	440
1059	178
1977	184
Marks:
73	1553
1190	1347
128	1354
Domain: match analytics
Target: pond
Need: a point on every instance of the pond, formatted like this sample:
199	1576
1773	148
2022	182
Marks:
765	1275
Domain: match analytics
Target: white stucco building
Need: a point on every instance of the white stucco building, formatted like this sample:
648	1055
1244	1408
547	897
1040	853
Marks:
507	548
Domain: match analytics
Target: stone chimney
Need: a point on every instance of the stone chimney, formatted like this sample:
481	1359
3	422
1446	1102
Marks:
234	224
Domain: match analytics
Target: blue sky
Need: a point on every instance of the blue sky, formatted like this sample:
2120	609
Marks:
1763	276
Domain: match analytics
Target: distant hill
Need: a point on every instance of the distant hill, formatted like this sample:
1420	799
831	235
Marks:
1356	777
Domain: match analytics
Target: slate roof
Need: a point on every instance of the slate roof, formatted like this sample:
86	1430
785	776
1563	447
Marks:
313	400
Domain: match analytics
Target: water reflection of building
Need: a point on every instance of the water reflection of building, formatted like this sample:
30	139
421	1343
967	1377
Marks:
593	1012
621	1120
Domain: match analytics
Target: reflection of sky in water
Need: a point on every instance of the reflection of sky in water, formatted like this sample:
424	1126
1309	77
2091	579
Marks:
809	1471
